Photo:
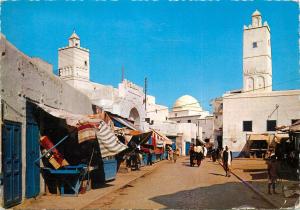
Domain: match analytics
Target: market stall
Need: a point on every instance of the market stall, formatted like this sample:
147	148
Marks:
76	150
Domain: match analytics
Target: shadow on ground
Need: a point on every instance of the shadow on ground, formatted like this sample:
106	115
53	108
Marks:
217	174
221	196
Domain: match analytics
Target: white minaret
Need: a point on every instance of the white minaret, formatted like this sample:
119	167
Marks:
74	61
257	59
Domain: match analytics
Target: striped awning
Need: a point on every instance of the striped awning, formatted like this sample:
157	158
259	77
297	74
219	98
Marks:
109	143
161	137
159	143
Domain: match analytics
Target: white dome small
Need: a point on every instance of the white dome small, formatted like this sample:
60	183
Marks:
256	13
187	102
74	36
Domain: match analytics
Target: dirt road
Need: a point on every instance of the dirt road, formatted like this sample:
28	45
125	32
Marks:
181	186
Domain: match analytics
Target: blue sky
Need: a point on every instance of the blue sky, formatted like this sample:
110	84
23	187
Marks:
182	48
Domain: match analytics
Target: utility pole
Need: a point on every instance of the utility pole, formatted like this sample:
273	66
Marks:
146	94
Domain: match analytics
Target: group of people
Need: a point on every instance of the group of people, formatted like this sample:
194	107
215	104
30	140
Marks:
134	159
197	153
272	167
173	154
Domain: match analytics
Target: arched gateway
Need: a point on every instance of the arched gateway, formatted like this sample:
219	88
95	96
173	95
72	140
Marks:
135	116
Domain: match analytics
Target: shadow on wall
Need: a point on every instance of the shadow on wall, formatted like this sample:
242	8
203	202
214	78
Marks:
221	196
245	151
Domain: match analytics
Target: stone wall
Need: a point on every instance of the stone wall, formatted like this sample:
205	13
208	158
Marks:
23	77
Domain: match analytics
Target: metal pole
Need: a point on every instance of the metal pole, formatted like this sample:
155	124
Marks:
49	150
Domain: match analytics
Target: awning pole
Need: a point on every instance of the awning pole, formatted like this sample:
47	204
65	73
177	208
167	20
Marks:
64	138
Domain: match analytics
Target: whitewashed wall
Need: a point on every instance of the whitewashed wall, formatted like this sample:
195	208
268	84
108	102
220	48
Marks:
257	108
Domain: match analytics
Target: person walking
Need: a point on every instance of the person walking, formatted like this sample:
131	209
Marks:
227	158
199	153
149	159
171	154
204	151
192	155
272	173
175	155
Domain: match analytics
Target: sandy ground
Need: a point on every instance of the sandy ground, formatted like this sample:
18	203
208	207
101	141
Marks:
73	202
181	186
169	185
254	171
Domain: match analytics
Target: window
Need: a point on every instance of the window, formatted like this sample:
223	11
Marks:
189	121
175	114
271	125
178	121
294	121
85	63
247	125
254	44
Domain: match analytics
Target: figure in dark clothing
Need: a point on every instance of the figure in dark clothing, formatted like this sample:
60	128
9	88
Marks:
192	155
149	158
272	173
227	158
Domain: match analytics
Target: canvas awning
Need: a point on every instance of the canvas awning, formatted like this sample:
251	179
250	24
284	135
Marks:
109	143
159	143
71	119
295	127
163	138
124	122
278	138
141	138
260	137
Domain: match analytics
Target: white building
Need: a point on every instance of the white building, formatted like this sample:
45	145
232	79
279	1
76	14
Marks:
192	122
256	109
24	82
127	100
187	109
184	124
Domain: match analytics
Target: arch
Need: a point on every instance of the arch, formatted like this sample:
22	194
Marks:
135	116
250	83
261	83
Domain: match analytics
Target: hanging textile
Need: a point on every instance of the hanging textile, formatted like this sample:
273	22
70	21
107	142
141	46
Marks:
86	131
109	143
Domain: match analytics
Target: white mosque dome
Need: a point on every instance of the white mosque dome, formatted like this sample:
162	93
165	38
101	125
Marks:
187	102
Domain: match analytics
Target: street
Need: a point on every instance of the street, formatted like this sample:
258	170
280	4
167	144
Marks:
177	185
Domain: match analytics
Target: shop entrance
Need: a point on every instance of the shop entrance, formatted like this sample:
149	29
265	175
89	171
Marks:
187	147
12	165
32	153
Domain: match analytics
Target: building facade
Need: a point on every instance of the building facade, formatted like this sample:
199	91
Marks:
26	81
256	109
127	100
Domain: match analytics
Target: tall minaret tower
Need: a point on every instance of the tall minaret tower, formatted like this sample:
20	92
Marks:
74	62
257	59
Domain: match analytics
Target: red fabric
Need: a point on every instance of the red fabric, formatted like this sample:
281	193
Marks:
145	150
58	159
86	131
158	151
153	139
